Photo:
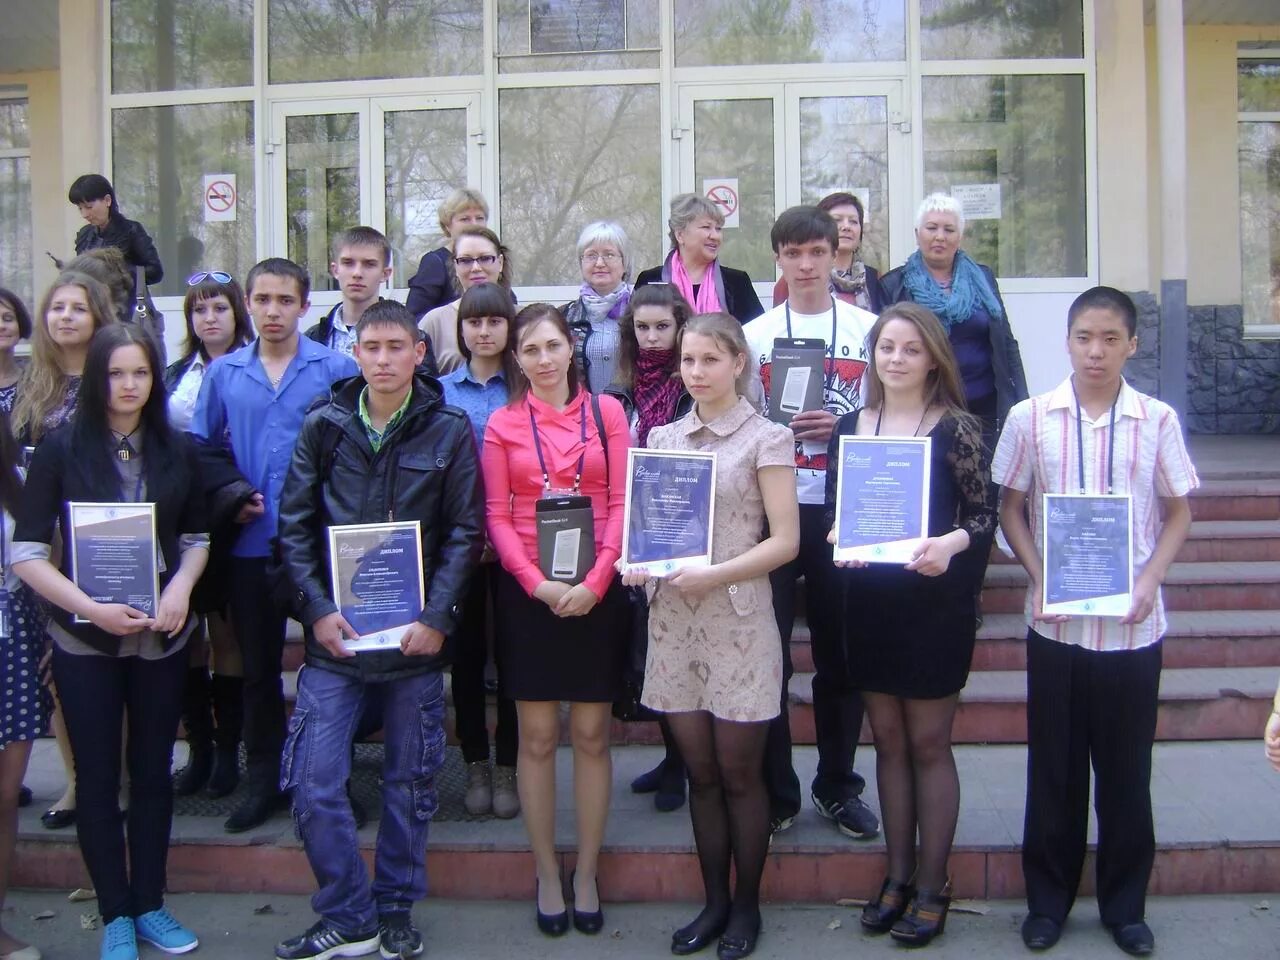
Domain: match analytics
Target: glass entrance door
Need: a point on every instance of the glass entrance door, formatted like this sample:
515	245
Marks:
765	147
386	162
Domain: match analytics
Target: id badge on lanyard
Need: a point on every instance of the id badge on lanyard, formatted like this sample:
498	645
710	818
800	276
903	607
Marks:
564	520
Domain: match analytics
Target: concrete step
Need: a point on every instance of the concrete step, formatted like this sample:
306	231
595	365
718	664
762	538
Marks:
1209	840
1236	585
1196	638
1237	499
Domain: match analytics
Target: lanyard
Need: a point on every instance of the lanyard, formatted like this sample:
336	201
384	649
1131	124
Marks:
537	444
1111	441
880	416
831	346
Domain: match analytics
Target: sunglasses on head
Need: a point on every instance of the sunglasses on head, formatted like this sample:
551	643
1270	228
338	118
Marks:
203	275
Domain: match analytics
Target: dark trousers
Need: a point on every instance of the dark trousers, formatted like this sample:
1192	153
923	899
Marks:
96	694
471	649
1084	706
259	628
837	706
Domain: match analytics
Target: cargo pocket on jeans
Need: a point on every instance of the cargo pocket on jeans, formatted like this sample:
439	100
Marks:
430	715
291	773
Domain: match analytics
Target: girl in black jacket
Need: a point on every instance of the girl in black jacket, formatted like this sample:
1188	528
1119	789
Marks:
105	226
118	448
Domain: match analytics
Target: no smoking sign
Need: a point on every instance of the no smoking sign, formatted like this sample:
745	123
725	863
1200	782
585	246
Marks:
219	197
723	192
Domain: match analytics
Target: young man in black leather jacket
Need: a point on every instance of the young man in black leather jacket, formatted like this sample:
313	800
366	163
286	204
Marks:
385	448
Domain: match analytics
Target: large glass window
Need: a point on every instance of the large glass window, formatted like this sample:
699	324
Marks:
372	39
1259	152
727	32
965	30
163	159
15	199
180	44
1013	149
571	155
577	34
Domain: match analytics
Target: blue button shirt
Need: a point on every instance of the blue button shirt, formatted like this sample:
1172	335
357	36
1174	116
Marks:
237	405
477	400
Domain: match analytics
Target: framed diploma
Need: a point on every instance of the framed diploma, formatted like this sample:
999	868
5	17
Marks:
377	580
1088	554
670	510
113	553
882	498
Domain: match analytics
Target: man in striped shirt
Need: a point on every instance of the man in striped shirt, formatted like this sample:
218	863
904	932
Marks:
1093	682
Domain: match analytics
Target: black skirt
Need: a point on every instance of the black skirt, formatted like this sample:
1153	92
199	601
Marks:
545	657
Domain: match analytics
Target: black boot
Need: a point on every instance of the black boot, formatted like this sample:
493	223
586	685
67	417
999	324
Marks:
198	720
228	707
262	799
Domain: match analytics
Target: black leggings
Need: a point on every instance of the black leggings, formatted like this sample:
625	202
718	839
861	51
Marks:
96	694
730	811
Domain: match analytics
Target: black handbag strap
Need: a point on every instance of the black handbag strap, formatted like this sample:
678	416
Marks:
604	438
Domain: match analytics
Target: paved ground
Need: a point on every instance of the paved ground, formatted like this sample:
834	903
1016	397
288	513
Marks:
240	927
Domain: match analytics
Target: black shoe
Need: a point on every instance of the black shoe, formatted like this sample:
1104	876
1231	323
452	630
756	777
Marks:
650	780
671	788
24	796
255	810
926	918
226	771
398	938
58	819
880	914
552	924
1135	939
196	773
695	936
735	948
1040	932
322	942
780	824
852	817
586	921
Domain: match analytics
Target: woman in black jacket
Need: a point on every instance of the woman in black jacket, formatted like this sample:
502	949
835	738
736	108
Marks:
105	226
695	227
119	660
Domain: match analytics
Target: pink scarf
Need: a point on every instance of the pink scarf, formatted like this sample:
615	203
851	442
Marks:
707	300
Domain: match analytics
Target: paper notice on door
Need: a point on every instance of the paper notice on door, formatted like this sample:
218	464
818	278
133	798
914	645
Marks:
981	201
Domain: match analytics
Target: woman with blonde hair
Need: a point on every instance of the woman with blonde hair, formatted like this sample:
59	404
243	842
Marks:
910	629
432	285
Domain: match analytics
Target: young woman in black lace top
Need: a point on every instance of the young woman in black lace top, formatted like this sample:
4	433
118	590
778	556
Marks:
910	629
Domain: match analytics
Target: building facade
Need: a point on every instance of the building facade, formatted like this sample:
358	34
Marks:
238	129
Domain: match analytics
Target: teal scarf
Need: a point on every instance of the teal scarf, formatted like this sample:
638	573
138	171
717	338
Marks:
969	289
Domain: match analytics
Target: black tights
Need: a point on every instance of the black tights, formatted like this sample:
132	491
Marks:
918	784
730	811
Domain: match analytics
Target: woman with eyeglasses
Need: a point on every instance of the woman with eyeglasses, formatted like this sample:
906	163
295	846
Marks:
217	323
604	254
478	257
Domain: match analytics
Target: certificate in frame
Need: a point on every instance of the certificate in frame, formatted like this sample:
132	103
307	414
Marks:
113	553
376	570
1087	554
670	510
882	498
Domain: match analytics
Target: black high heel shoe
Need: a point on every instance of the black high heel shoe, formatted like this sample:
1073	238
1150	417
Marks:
689	940
584	921
551	924
925	919
880	914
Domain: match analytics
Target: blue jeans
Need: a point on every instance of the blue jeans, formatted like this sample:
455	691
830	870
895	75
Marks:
315	767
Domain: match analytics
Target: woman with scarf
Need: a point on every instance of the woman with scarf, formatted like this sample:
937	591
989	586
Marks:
851	280
695	227
604	254
964	295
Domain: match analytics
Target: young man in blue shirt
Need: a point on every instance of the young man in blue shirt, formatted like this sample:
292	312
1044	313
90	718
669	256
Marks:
251	406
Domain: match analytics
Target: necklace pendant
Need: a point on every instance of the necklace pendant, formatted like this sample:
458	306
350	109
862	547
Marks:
123	454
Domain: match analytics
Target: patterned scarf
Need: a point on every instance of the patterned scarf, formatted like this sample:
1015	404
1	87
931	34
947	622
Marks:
852	283
656	391
969	288
596	307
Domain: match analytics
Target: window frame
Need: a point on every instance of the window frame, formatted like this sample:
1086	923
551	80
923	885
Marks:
24	153
1253	331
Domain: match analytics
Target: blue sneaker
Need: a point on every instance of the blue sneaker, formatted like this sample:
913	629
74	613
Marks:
159	929
119	941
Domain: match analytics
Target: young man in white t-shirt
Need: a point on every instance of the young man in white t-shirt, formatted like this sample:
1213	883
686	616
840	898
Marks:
804	242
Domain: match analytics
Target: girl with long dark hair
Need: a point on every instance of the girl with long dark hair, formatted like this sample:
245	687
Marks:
123	662
15	325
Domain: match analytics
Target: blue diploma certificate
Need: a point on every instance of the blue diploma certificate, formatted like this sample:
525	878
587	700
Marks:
377	580
113	553
670	510
882	498
1088	554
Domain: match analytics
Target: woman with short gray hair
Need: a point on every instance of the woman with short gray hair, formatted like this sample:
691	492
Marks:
604	255
693	268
